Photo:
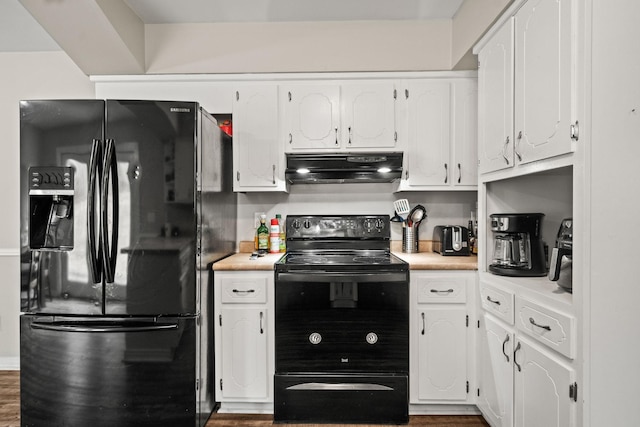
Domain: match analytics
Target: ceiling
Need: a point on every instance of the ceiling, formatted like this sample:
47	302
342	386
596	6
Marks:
20	32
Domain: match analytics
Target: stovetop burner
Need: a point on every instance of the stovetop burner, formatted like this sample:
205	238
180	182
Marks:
337	258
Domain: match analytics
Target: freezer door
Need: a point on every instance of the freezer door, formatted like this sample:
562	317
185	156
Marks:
56	141
108	372
151	234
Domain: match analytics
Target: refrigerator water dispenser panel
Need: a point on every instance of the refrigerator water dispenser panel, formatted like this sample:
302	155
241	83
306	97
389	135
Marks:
51	208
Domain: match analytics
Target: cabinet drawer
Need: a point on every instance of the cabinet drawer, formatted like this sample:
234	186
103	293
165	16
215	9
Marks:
498	302
442	290
244	290
550	327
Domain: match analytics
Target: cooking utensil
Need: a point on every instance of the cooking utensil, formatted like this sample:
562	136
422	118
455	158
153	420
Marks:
396	217
402	207
416	215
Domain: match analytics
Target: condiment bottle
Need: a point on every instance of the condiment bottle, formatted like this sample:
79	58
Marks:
283	237
263	235
274	236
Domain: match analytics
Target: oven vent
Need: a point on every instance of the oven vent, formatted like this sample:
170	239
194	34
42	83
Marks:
333	168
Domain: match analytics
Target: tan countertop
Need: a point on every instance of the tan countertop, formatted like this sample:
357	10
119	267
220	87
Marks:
435	261
418	261
241	261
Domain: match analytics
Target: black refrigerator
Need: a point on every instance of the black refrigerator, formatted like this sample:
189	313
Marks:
124	206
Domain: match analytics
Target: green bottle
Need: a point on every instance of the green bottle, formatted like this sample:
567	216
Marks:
263	235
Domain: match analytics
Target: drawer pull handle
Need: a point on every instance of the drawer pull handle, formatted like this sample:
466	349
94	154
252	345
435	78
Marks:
504	344
438	291
514	357
423	324
240	291
493	301
533	322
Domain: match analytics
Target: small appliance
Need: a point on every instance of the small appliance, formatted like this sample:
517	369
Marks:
518	247
451	240
560	265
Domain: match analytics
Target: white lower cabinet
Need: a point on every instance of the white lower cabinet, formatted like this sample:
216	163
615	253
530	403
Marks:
521	381
244	336
543	388
440	363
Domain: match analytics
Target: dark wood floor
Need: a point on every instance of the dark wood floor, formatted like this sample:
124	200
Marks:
10	413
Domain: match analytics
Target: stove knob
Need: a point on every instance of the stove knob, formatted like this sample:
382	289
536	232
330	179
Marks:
306	223
295	224
315	338
372	338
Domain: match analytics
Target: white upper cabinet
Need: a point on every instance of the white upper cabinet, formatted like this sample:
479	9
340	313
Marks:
495	101
257	153
543	95
441	127
526	97
339	117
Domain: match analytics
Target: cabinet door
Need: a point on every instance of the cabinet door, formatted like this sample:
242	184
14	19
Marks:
442	353
369	116
256	151
244	353
495	101
495	399
541	388
543	58
465	131
312	117
429	133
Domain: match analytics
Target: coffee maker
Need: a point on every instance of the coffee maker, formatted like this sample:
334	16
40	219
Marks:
518	247
560	265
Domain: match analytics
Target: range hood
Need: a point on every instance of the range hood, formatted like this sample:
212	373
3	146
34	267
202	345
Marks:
321	168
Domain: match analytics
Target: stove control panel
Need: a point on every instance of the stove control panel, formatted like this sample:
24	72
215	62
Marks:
338	227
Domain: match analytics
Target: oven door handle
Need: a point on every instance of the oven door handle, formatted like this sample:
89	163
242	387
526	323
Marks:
340	386
353	276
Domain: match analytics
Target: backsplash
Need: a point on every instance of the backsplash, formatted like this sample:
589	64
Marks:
443	207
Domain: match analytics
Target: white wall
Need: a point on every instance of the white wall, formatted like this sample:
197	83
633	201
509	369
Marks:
23	76
298	47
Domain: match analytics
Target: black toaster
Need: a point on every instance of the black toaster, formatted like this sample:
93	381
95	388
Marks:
451	240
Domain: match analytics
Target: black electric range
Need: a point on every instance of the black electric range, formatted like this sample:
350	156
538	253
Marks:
341	323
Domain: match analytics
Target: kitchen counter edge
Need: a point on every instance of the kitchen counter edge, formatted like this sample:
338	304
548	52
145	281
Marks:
418	261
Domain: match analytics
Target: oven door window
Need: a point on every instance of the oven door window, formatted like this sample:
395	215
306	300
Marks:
342	322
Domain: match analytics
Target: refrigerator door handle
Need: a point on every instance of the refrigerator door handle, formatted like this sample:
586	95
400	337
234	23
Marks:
109	246
93	246
102	328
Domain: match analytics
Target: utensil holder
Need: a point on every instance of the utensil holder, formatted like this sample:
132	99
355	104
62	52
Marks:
410	239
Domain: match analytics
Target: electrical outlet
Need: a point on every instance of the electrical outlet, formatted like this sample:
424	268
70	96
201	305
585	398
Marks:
256	219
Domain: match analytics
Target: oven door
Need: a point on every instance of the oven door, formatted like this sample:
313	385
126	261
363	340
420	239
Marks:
342	399
342	322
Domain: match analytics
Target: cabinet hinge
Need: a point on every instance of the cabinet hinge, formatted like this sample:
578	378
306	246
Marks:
467	387
220	319
574	131
467	320
573	392
220	383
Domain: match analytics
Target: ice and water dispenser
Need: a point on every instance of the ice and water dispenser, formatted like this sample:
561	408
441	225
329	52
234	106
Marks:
51	208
